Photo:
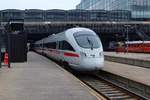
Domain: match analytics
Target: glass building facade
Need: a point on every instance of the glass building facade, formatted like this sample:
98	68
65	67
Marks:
37	15
140	8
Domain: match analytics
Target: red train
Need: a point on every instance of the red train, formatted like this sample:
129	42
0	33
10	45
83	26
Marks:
134	46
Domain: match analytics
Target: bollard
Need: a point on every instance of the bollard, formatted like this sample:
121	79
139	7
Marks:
6	59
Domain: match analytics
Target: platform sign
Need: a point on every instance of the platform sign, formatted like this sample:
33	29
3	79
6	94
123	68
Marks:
16	42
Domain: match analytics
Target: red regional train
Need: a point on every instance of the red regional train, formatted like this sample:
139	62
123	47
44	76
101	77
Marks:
135	46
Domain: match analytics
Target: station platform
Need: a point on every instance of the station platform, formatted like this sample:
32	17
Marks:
41	79
137	74
134	78
136	59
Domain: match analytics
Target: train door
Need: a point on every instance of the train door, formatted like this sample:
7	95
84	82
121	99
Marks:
60	58
58	52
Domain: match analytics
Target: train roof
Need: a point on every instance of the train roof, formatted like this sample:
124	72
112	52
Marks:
64	35
77	29
137	42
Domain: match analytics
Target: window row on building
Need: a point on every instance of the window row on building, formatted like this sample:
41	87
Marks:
64	15
140	9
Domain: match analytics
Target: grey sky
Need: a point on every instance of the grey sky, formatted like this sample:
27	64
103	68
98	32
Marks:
38	4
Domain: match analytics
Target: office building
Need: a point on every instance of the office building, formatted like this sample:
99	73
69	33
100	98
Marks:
37	15
140	9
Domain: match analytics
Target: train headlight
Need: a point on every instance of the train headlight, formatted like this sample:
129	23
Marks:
101	54
83	54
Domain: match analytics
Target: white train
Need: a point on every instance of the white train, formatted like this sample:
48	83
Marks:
80	48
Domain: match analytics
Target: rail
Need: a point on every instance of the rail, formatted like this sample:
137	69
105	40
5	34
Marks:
109	90
105	84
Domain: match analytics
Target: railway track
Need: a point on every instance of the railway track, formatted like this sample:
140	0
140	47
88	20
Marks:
107	89
104	87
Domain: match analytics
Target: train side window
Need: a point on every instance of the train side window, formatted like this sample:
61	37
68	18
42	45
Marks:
139	45
47	45
136	45
44	45
51	45
60	45
129	45
64	45
147	45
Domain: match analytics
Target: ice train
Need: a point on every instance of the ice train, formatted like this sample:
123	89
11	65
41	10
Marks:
80	48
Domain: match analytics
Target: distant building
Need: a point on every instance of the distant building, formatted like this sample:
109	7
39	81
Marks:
37	15
55	15
33	15
140	8
10	14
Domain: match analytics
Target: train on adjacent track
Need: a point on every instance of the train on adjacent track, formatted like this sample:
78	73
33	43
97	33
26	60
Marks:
80	48
135	47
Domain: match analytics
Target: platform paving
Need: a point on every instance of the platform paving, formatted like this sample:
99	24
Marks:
137	74
141	56
40	79
133	78
136	59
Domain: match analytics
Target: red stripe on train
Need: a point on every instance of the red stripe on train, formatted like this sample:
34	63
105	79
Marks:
71	54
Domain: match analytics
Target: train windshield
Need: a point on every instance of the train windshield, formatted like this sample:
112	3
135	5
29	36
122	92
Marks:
87	40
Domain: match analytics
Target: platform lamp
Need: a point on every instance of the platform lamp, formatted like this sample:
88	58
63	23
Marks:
127	35
9	50
0	48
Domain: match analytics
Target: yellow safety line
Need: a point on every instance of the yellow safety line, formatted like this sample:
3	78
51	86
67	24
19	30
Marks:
94	93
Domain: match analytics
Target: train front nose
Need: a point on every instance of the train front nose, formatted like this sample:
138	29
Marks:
92	64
